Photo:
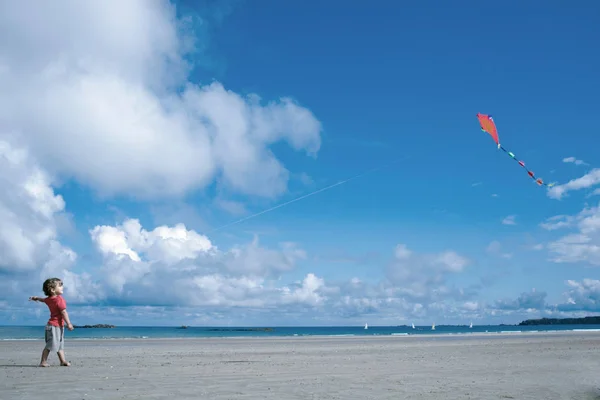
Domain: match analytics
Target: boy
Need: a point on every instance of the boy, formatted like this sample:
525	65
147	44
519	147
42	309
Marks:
55	334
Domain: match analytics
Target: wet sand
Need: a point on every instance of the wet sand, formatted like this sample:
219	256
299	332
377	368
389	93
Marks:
513	366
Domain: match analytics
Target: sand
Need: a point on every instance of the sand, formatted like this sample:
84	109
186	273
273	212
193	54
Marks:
514	366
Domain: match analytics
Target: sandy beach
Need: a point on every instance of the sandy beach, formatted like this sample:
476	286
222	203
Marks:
514	366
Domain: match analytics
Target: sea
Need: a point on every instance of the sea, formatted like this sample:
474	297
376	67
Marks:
157	332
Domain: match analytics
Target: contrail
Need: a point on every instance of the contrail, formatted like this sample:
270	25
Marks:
299	198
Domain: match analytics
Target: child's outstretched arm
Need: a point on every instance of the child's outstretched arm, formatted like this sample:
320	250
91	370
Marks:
67	320
35	298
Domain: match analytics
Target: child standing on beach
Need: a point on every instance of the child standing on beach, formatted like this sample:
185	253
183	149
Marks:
55	334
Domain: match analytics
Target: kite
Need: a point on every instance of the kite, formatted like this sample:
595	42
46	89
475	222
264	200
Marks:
488	125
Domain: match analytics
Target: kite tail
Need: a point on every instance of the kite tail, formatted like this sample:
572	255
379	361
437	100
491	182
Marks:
539	181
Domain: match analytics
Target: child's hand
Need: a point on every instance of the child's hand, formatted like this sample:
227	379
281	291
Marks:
70	327
33	298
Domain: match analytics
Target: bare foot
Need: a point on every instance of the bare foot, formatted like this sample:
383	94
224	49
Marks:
44	364
65	364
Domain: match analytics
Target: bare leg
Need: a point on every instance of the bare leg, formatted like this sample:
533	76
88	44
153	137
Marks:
44	360
61	357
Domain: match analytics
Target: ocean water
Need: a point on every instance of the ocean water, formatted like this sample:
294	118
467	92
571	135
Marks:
143	332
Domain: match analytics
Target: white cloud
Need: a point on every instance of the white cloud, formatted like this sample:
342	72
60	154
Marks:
98	91
163	244
583	244
471	305
307	292
189	271
422	277
582	296
510	220
574	161
590	179
137	260
531	300
29	211
557	222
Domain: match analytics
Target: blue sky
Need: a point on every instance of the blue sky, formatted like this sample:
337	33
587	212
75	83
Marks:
389	85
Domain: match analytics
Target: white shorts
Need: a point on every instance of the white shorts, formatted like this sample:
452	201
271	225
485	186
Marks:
55	338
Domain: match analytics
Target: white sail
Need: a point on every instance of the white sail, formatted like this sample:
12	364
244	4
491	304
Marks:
413	326
366	326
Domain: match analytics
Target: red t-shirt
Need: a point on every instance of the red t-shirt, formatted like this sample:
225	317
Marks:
56	304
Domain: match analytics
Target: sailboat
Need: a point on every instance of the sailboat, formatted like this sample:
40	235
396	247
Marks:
433	327
366	326
471	326
413	326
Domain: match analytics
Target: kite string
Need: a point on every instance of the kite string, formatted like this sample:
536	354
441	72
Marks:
302	197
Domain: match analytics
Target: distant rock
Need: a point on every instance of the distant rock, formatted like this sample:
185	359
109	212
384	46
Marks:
95	326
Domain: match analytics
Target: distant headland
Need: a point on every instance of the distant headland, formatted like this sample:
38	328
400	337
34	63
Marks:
562	321
95	326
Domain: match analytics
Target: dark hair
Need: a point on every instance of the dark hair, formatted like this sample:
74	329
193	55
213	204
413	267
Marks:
50	284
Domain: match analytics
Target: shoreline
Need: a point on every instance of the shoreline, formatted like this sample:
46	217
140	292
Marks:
426	336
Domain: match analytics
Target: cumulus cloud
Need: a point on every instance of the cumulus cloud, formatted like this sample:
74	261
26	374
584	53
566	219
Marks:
172	266
164	243
582	244
423	277
137	261
100	93
579	297
29	211
531	300
590	179
582	296
250	277
306	292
